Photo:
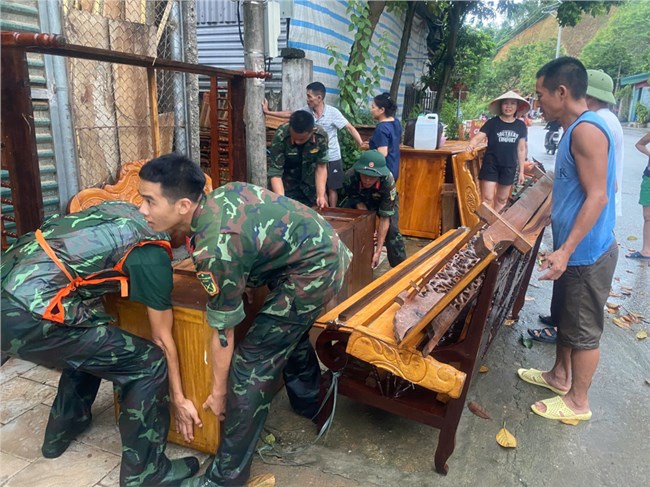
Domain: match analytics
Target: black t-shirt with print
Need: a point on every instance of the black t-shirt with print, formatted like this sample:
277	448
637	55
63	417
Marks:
503	140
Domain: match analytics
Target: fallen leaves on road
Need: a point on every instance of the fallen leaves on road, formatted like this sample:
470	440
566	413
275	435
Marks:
505	438
509	322
632	238
570	422
642	335
478	410
483	369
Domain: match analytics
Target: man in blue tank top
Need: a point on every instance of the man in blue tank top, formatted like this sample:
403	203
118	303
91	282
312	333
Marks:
584	249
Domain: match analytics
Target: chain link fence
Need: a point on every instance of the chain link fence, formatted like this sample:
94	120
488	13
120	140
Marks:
110	102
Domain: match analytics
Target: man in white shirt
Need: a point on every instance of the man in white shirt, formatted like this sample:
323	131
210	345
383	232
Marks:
331	120
599	97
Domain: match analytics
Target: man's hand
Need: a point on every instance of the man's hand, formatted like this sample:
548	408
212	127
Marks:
521	178
556	263
216	404
265	106
321	202
375	259
186	417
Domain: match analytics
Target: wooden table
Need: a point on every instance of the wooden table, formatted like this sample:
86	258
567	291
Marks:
192	333
429	198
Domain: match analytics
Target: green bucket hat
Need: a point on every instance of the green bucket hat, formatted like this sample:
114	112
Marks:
372	163
600	86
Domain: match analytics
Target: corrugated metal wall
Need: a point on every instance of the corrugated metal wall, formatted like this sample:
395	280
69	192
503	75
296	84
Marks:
22	16
313	27
218	42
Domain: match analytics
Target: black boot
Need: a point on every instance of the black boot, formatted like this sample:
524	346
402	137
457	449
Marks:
54	447
181	469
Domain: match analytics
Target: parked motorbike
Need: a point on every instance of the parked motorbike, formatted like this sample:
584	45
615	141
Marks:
551	141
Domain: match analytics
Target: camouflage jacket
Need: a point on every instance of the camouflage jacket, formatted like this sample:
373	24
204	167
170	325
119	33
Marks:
296	164
244	235
380	197
87	242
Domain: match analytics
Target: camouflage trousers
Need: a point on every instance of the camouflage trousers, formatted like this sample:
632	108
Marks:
394	242
136	367
274	347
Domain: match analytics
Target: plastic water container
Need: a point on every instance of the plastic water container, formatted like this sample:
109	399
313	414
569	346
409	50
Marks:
426	132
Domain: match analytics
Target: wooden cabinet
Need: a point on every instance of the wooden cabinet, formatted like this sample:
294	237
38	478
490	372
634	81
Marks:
191	330
428	198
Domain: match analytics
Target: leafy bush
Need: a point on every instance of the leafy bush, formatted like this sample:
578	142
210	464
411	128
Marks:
642	113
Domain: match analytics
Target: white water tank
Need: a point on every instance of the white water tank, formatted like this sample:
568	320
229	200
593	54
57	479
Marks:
426	132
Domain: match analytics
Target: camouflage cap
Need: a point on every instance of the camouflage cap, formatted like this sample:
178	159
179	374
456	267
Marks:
372	163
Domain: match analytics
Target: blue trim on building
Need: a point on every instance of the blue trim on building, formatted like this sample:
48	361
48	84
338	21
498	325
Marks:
320	8
635	78
318	28
310	47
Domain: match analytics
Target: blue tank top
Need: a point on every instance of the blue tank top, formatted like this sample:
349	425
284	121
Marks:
568	197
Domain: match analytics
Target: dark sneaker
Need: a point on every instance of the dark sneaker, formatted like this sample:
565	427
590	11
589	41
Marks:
546	320
55	447
181	469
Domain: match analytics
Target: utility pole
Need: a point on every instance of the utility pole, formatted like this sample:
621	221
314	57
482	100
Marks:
559	41
253	115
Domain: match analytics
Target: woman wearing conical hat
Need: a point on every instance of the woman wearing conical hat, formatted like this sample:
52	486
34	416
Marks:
506	149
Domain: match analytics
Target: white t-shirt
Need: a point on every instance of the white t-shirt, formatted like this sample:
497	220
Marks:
617	131
331	121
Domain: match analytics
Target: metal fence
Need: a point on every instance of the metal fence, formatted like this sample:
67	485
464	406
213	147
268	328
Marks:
136	129
110	102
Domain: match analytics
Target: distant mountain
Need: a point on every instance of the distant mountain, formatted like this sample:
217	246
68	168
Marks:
573	39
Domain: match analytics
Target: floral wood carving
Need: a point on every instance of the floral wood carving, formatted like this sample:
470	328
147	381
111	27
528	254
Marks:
407	364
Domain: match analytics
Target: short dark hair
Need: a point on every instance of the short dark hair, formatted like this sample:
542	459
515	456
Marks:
317	87
567	71
386	102
301	121
179	177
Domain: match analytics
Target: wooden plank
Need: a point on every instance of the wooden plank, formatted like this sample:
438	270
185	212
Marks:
419	186
166	132
153	111
237	100
414	335
129	82
19	152
394	274
465	170
114	9
92	101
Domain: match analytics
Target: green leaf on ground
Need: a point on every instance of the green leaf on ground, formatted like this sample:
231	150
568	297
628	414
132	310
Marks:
526	342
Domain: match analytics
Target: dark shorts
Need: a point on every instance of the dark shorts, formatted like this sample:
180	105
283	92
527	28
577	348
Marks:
335	174
504	175
578	302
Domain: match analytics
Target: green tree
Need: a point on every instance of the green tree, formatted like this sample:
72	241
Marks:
622	47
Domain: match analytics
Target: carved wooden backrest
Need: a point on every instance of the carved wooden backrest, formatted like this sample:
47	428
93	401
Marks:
125	189
466	168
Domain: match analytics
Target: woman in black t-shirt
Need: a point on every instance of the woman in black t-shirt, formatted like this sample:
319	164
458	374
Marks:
506	149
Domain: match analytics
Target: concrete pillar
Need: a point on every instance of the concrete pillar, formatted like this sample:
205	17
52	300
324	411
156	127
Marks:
297	73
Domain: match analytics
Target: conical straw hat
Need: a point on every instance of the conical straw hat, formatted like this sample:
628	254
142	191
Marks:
522	107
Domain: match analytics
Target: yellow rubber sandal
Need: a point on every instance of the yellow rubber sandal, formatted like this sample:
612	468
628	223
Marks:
557	409
534	377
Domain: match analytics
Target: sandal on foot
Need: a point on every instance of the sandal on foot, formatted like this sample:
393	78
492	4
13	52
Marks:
557	409
534	377
638	255
545	335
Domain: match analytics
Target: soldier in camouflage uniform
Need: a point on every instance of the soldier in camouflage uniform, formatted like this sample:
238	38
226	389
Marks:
369	185
244	235
299	158
52	315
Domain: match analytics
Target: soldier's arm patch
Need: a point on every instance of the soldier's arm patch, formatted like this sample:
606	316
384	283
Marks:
393	194
314	150
208	281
